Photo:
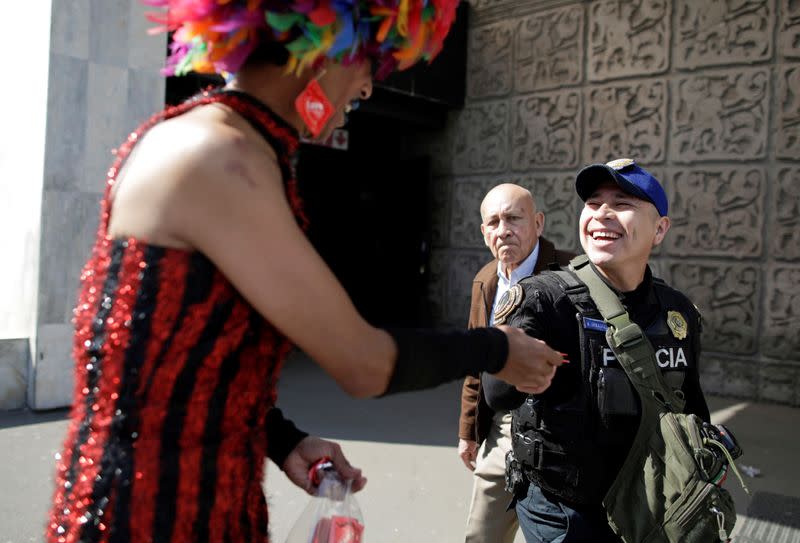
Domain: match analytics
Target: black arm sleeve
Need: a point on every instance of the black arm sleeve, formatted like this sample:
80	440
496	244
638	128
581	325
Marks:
282	436
426	358
695	399
529	317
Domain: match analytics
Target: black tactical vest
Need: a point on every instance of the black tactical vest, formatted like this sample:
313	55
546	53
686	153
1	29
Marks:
575	448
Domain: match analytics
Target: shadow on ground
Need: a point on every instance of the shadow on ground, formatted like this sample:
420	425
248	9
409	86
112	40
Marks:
24	417
315	402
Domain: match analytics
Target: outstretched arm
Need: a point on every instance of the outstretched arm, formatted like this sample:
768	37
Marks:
214	188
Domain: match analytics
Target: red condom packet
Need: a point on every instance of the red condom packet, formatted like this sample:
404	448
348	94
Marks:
314	107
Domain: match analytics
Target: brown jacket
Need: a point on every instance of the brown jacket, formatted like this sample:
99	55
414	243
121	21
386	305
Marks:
476	415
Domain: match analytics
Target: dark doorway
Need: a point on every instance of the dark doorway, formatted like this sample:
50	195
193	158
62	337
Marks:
368	209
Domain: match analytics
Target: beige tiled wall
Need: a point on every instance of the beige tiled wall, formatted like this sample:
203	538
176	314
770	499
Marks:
704	94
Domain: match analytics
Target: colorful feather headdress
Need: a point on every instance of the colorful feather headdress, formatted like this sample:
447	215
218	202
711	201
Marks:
215	36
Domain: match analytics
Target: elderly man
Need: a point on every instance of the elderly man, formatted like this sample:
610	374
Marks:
570	442
511	227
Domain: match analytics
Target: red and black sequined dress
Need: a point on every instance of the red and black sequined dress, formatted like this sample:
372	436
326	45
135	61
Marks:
175	375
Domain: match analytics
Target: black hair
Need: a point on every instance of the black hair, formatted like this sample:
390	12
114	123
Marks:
268	51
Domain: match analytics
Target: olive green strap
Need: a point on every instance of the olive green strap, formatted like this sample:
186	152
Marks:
631	347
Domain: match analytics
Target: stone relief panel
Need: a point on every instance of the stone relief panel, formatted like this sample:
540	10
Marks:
628	38
779	383
555	197
480	138
465	222
787	108
729	377
716	211
786	215
715	32
720	116
726	295
789	31
781	324
626	120
461	269
489	60
549	50
546	130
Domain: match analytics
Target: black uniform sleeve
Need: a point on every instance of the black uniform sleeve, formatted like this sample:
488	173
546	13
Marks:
500	395
282	436
695	399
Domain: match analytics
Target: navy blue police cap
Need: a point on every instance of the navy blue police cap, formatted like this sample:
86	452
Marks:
629	176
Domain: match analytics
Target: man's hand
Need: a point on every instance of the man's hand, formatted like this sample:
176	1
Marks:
531	364
309	451
468	451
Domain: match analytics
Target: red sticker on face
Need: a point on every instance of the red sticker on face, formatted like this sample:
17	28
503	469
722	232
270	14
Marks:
314	107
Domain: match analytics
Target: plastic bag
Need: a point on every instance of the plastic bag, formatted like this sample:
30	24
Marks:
333	515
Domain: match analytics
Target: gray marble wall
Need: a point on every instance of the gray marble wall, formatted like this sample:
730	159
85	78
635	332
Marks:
705	95
103	81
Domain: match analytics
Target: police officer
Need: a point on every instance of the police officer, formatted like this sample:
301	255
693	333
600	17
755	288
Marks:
570	441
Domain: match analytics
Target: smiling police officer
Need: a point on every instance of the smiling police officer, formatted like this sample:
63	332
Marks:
570	442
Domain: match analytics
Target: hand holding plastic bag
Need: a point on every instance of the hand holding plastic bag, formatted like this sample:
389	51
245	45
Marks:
333	515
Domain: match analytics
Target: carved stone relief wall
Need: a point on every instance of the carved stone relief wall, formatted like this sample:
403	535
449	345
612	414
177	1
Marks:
789	29
626	120
716	211
549	49
544	130
717	32
489	68
480	138
705	96
628	38
720	115
786	215
779	337
788	112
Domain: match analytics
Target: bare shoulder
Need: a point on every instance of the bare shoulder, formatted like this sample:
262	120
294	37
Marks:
186	168
206	141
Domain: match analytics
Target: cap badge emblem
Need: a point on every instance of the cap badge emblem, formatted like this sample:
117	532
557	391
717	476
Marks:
620	163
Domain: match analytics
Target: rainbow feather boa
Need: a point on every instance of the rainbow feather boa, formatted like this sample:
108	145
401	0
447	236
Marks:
216	36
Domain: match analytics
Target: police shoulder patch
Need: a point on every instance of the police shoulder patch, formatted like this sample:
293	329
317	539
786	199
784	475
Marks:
677	324
508	303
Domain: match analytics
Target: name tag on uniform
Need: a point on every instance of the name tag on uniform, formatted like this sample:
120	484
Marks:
594	324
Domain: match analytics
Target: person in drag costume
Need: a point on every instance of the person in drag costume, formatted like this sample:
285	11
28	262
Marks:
201	279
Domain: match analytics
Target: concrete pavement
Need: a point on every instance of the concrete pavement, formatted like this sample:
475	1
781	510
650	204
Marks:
418	489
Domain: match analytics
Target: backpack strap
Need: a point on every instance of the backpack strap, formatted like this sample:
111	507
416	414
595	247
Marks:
575	290
631	347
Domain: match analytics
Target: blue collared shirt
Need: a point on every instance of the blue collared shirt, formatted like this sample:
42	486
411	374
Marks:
504	283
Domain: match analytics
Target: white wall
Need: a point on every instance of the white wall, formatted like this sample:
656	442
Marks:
25	43
23	106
